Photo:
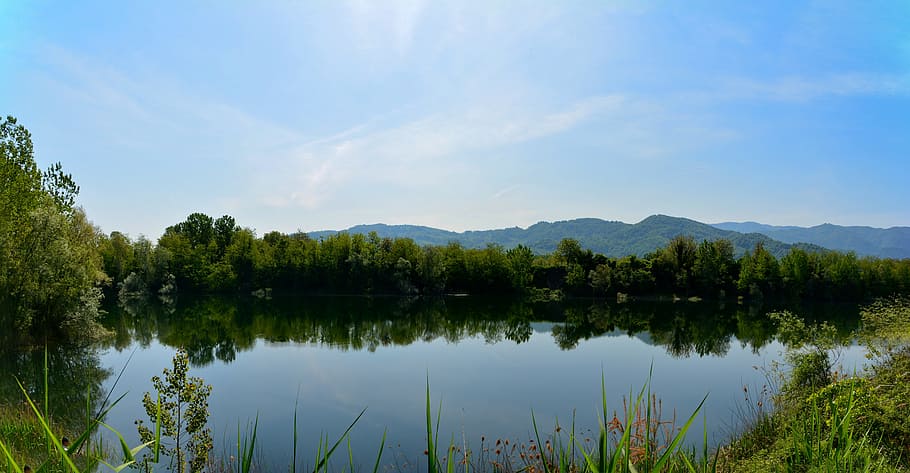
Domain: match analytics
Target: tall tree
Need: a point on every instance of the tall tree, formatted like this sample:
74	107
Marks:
714	266
759	273
48	249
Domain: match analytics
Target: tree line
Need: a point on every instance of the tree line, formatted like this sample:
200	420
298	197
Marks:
207	255
54	264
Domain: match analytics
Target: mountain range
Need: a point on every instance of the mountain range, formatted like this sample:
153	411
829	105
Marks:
891	242
612	238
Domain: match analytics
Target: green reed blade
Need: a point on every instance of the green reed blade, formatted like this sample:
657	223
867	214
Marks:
9	458
431	450
115	469
249	445
328	451
379	455
157	445
350	456
46	395
450	456
625	440
589	460
47	429
679	436
294	447
543	456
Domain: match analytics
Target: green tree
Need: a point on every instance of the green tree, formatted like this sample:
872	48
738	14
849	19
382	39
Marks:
118	256
759	273
797	272
20	179
60	186
240	255
632	275
48	250
182	401
431	271
577	263
569	251
714	266
198	228
223	230
601	278
521	261
678	257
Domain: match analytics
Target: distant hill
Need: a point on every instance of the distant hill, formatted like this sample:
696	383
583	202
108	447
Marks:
611	238
891	242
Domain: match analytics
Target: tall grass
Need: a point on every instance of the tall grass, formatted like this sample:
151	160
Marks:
75	458
639	442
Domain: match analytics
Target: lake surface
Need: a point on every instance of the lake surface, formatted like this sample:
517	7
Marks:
489	361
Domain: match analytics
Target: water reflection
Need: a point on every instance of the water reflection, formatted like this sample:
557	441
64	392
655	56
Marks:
216	328
74	376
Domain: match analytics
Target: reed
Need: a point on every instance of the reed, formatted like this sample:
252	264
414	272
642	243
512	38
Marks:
77	456
636	441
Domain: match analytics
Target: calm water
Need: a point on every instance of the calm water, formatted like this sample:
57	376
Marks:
490	363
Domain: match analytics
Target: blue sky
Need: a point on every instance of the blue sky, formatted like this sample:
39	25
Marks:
466	115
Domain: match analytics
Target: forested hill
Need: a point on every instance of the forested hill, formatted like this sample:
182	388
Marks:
891	242
611	238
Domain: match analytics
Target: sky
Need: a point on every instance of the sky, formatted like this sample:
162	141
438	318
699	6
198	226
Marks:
310	115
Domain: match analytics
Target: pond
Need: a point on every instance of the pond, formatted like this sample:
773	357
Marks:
489	362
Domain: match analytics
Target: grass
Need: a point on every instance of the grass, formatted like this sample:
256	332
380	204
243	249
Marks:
26	439
638	440
21	452
852	424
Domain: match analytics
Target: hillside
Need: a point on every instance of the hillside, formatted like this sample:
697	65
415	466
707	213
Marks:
891	242
611	238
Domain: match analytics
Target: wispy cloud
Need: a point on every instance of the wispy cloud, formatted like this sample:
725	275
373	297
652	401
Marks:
502	192
425	149
154	110
802	88
378	24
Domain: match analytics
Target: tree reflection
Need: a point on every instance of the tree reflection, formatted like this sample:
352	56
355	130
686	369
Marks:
217	328
74	376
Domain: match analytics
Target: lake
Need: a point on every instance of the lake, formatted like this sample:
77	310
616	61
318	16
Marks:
490	362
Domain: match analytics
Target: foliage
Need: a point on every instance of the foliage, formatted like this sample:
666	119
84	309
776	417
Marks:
714	267
886	326
759	273
809	348
202	254
180	410
826	421
48	248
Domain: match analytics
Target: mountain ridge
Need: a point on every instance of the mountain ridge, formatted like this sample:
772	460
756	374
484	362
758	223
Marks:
609	237
892	242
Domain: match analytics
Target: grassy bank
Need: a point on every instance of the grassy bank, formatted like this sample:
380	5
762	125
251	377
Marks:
22	433
25	443
849	423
